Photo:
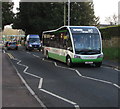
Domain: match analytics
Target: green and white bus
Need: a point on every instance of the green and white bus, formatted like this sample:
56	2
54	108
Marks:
74	44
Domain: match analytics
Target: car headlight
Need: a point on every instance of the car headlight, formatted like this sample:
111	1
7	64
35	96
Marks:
30	45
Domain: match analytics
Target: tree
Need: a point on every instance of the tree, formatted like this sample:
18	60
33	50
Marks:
115	19
82	13
7	13
112	20
33	18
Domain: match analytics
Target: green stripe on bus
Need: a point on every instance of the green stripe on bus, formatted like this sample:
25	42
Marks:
57	57
77	60
74	60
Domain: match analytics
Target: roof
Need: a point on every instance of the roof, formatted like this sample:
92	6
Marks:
69	27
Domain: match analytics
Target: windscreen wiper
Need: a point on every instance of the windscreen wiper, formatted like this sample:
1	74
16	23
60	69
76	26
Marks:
88	51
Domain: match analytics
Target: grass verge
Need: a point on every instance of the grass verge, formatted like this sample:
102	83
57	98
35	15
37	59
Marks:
112	53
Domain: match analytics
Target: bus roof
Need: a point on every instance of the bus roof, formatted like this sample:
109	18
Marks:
68	27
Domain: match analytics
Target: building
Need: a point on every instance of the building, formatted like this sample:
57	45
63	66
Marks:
10	34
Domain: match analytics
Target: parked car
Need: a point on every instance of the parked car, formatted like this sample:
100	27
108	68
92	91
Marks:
12	45
6	43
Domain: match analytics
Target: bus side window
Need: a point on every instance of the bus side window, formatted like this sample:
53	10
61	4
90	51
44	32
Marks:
67	41
61	40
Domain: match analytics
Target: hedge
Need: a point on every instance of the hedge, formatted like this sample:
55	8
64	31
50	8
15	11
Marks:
109	32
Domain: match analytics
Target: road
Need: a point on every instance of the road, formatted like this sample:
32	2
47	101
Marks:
57	85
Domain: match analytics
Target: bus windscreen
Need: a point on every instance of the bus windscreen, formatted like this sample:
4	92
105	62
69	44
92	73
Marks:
86	43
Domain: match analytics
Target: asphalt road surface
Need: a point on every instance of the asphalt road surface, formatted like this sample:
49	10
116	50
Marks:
57	85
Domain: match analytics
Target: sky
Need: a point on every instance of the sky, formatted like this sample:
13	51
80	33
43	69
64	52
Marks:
105	8
102	8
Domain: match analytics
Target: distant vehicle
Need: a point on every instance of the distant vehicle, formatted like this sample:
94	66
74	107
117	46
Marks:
74	44
33	42
12	45
6	43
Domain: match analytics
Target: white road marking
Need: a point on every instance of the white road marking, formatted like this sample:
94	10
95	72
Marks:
97	80
69	69
4	51
40	86
57	96
25	70
28	87
76	106
28	52
11	57
46	60
117	69
79	74
31	91
36	56
61	66
40	83
116	86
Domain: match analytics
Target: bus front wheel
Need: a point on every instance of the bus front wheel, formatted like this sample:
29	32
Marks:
98	64
69	62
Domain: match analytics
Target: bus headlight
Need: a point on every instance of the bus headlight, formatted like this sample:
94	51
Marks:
76	56
100	56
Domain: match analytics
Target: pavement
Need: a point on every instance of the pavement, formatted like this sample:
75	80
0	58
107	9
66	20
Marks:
110	63
14	92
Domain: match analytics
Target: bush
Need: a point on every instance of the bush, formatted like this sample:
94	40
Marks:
109	32
112	53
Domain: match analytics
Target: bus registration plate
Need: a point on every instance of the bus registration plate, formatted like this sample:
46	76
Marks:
88	62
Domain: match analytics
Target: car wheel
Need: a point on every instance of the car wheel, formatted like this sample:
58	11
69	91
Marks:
26	48
39	49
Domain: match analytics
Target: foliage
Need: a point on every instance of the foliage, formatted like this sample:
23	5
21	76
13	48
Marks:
108	32
7	13
112	53
82	13
35	17
112	20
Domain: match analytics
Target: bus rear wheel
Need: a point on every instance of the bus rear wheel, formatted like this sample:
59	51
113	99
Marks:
69	62
47	55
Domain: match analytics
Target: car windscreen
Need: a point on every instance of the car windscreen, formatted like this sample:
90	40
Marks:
34	40
12	43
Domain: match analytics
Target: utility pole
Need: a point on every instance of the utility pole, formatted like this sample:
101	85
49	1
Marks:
64	13
68	12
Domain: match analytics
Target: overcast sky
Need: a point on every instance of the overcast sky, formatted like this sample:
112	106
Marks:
102	8
105	8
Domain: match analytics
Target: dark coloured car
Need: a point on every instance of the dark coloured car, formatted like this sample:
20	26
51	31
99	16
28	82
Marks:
12	45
